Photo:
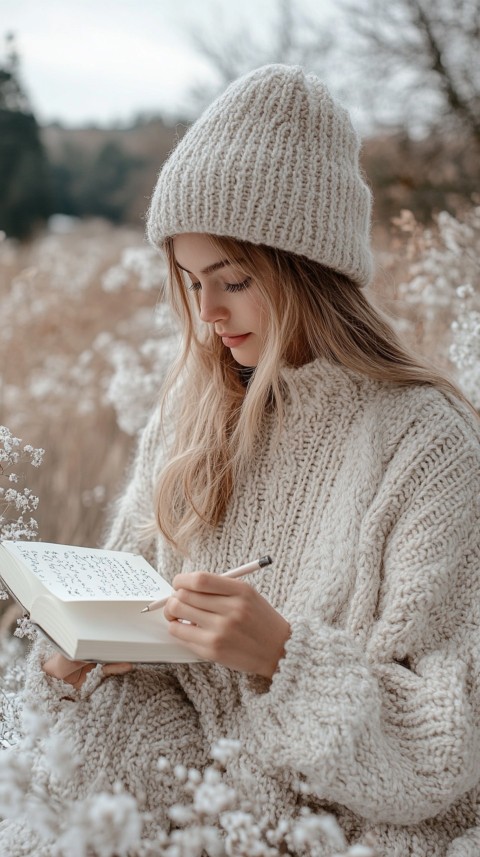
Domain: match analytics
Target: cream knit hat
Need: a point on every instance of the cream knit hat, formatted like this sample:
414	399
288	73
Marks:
273	160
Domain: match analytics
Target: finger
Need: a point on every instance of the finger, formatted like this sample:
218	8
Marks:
209	603
177	609
77	677
197	639
117	669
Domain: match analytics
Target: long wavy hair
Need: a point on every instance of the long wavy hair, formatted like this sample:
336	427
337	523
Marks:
312	312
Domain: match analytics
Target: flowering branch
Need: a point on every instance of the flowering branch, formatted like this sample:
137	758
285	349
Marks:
23	501
111	824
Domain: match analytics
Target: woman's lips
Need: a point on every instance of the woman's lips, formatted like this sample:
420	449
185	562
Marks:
234	341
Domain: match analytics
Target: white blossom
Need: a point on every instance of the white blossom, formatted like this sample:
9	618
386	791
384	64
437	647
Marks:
94	496
441	294
114	279
244	837
194	776
180	772
225	749
360	851
181	814
163	764
113	822
310	828
25	629
22	501
15	773
213	798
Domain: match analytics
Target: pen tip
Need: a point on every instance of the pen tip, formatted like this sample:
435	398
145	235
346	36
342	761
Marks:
265	560
145	610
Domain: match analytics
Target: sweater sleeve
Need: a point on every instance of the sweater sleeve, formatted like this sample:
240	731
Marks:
385	719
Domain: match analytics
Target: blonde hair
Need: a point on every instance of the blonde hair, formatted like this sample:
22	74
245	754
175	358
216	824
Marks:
312	312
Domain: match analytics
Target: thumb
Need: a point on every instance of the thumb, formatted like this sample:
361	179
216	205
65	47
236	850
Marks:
116	669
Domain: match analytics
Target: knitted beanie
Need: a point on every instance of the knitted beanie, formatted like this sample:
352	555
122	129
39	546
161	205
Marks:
273	160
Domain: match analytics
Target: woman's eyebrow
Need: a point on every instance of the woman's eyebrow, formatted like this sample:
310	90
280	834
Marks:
210	268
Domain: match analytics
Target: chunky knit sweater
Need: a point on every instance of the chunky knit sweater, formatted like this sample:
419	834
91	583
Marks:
369	504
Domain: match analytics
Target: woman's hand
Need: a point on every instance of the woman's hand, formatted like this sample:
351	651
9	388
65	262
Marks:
75	672
230	622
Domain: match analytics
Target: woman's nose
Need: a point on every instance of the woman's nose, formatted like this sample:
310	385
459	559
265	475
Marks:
212	308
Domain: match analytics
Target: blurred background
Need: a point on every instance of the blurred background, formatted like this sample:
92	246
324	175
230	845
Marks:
94	95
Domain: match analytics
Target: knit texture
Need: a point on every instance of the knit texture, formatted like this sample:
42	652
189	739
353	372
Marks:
369	505
274	160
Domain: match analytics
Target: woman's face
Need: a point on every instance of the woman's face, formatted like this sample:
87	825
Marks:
228	299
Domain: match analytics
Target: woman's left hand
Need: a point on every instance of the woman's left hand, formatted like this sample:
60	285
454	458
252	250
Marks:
75	672
231	623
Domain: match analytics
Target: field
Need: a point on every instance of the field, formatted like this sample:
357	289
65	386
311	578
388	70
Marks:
86	342
84	346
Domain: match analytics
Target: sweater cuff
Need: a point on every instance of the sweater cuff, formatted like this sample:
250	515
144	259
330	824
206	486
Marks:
296	719
285	679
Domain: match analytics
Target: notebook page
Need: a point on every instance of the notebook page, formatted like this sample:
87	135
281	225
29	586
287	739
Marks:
77	573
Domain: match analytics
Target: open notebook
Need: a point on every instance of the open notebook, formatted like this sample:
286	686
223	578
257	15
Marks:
88	601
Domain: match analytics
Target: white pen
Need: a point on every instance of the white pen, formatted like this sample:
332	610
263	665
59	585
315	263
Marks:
241	571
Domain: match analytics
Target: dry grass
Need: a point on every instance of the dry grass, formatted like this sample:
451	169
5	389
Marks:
53	309
60	329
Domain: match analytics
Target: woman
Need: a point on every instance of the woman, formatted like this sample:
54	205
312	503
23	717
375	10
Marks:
295	424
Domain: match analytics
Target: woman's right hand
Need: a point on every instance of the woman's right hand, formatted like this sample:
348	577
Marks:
75	672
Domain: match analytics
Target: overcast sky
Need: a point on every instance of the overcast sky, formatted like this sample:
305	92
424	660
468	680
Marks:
105	60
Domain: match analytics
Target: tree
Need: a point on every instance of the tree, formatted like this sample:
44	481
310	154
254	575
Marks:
24	172
106	190
12	95
421	56
294	38
413	63
408	67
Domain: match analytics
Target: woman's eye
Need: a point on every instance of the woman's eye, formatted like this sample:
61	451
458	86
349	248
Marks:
229	287
237	287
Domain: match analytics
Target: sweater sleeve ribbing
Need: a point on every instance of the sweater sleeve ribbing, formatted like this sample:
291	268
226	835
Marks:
387	722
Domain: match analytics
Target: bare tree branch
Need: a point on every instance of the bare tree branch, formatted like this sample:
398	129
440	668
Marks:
428	50
294	39
438	64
